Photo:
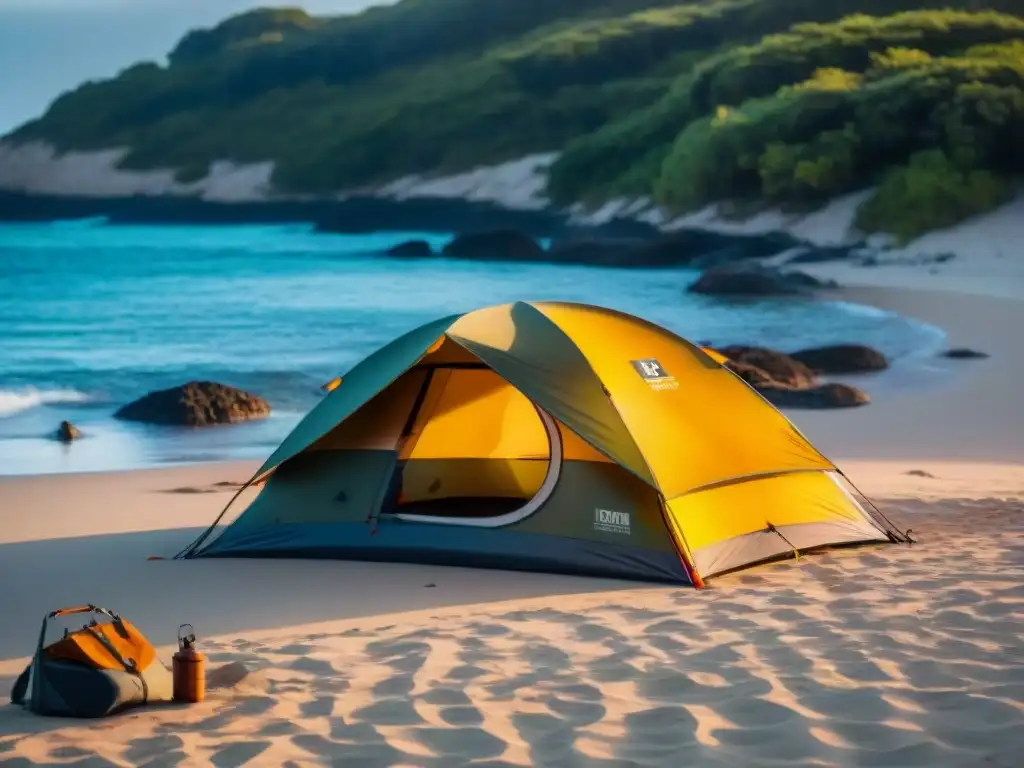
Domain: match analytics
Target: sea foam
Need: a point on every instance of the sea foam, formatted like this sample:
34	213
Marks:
14	401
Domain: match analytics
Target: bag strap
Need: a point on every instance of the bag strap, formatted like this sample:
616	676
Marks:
88	608
33	670
21	687
128	664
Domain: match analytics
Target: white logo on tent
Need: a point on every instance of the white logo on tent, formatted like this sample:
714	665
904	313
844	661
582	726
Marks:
611	522
654	374
651	369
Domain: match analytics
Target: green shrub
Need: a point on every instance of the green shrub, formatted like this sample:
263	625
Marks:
930	192
786	102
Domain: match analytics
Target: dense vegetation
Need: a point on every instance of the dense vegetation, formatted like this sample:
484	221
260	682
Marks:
777	101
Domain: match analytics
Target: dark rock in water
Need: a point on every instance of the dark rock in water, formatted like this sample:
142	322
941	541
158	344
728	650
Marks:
412	249
778	366
685	248
196	404
703	249
498	245
756	280
67	432
842	358
600	252
819	396
963	353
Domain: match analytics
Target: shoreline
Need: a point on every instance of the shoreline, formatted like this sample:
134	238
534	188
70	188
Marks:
106	444
921	373
973	415
356	215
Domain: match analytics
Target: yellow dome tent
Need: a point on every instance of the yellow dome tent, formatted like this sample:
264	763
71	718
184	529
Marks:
547	436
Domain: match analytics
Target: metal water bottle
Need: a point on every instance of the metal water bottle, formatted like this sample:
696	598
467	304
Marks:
189	668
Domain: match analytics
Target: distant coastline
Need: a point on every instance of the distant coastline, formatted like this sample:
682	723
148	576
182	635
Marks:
38	184
357	215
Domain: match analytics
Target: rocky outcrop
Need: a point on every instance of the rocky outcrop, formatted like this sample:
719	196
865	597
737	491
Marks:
601	252
963	353
496	245
412	249
754	376
196	404
703	248
778	366
756	280
67	432
694	248
788	383
687	247
842	358
818	396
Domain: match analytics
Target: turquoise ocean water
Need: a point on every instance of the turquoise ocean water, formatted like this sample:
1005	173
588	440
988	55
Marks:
93	316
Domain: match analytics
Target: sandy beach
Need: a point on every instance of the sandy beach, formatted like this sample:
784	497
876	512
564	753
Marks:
879	656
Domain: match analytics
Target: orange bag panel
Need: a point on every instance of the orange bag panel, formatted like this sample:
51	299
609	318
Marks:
83	647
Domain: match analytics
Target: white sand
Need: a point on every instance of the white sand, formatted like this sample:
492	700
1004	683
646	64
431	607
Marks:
37	168
880	656
518	185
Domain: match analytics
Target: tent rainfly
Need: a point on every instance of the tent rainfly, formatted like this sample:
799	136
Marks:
547	436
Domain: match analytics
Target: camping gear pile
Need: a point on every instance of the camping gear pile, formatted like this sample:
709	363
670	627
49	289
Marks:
104	668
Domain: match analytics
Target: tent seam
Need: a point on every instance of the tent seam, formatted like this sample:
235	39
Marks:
737	479
650	479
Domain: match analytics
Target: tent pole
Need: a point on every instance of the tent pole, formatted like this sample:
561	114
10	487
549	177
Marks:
191	548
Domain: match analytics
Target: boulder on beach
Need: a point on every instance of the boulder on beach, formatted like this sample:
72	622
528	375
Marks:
779	366
785	382
842	358
756	280
963	353
754	376
497	245
67	432
411	249
196	404
819	396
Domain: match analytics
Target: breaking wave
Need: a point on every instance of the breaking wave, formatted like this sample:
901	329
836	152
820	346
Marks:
14	401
